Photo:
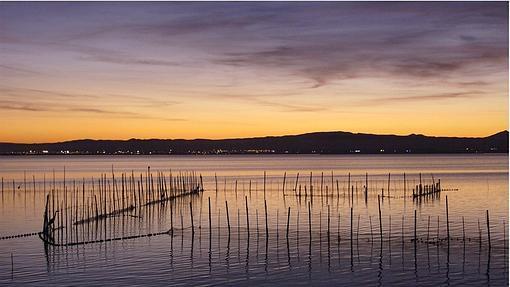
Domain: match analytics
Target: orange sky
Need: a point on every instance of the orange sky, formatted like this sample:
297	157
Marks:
222	70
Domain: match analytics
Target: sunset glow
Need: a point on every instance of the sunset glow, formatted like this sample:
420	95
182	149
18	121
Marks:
223	70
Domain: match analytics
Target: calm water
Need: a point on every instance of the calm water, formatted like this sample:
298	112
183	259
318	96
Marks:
474	184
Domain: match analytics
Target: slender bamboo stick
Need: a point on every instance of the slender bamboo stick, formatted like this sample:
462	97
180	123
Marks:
210	225
415	227
447	220
228	218
191	215
380	218
265	212
310	222
288	221
488	228
247	216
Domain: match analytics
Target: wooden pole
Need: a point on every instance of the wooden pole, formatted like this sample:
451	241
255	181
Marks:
210	225
171	214
265	190
366	185
421	187
415	227
380	218
247	215
328	223
265	212
348	183
405	184
311	187
288	221
463	230
479	232
447	221
228	218
351	225
332	183
322	183
283	186
257	221
191	215
297	180
216	182
488	229
310	222
389	180
277	225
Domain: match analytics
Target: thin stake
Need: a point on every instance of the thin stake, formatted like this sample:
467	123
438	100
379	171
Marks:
328	223
288	221
228	218
191	215
265	212
247	215
447	220
283	187
415	227
488	229
380	218
351	227
210	225
265	192
463	230
310	222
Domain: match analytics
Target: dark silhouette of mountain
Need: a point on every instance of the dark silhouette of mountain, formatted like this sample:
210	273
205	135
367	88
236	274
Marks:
310	143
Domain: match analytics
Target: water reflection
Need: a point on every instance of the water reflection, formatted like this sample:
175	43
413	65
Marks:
338	207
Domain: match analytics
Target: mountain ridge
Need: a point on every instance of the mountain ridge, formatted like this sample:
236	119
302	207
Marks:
334	142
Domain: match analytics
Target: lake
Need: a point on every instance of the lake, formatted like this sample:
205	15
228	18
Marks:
329	235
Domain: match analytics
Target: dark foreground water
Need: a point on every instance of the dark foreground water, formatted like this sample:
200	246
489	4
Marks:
351	253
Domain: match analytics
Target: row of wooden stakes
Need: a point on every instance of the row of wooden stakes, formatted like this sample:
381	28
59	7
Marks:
104	199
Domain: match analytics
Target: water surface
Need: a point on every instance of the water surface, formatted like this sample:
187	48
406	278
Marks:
473	184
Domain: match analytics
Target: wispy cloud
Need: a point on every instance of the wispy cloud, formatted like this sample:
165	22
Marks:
23	99
283	102
11	70
422	98
118	57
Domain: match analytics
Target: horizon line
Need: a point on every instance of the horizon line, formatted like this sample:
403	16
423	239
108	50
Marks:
251	137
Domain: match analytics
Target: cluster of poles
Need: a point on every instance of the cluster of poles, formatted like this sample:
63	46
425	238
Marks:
89	211
101	200
427	190
352	226
333	189
71	208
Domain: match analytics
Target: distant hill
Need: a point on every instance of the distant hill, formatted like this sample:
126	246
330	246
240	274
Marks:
310	143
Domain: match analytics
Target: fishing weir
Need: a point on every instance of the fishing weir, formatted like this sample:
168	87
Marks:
322	216
89	213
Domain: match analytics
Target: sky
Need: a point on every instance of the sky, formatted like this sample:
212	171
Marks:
118	70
